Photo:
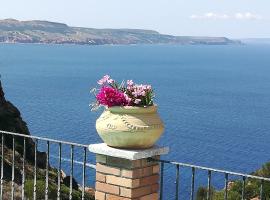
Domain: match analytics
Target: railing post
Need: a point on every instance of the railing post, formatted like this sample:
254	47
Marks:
127	174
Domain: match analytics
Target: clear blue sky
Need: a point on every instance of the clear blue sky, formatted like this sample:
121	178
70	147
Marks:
231	18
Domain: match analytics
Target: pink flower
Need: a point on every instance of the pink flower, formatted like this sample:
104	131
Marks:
148	87
128	99
109	96
137	101
135	93
143	93
104	80
110	81
130	83
113	94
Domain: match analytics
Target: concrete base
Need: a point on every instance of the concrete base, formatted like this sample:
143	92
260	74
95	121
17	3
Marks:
130	154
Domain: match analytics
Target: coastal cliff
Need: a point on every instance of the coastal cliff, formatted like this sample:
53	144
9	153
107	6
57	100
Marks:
11	120
14	31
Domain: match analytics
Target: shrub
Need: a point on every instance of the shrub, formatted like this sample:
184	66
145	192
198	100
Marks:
29	185
202	193
232	195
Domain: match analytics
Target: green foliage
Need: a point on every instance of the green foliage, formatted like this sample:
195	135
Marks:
252	188
232	195
202	193
264	171
251	191
29	185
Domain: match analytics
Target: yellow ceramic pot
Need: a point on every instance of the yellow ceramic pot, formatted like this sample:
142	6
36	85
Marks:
130	127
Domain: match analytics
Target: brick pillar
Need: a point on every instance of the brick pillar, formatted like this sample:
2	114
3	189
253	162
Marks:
122	176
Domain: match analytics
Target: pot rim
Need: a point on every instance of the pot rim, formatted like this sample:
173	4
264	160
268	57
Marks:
133	109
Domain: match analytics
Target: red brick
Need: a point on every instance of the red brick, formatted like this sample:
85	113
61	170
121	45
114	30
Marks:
99	195
100	177
137	192
125	182
103	187
150	197
113	197
107	170
149	180
137	173
155	187
156	169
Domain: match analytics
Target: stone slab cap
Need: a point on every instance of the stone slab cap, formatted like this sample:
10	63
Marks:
130	154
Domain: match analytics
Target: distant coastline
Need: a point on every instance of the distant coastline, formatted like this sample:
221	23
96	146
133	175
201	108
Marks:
45	32
256	40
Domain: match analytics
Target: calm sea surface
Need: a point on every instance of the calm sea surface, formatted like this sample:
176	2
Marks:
214	100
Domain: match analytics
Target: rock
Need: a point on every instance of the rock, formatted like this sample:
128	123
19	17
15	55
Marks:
11	121
230	185
41	159
8	173
66	181
90	191
63	175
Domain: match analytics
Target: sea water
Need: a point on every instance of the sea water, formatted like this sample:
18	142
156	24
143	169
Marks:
214	100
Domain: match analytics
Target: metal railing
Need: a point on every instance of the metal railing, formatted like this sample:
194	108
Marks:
209	196
48	141
178	166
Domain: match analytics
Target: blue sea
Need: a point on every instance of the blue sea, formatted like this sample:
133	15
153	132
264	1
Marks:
214	100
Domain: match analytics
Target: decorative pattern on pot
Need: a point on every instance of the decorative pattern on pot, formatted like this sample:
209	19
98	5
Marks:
130	127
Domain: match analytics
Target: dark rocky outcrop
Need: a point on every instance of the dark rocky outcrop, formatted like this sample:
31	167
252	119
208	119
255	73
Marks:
11	120
8	173
66	181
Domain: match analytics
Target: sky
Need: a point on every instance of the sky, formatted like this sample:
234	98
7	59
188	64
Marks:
230	18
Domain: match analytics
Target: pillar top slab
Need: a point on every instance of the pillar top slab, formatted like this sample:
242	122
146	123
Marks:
130	154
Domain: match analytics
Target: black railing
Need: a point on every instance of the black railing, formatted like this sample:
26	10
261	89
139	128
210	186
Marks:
210	171
23	149
27	139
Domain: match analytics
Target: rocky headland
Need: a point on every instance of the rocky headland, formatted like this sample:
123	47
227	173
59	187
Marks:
45	32
11	120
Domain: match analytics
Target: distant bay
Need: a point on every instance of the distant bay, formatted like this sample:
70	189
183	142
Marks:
214	100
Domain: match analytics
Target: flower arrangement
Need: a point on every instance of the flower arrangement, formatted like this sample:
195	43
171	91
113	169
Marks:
127	93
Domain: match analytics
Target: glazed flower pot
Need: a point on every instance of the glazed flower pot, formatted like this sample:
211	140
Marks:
130	127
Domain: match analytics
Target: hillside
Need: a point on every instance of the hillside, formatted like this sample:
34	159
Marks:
11	120
14	31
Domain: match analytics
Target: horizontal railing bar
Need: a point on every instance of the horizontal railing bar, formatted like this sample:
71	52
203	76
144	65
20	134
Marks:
44	139
211	169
